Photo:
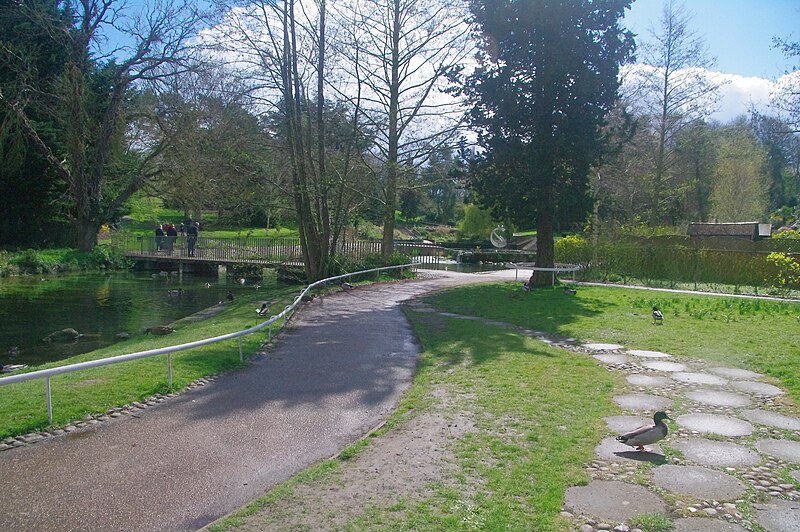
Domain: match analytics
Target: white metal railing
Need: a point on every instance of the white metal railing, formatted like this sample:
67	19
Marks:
517	266
48	373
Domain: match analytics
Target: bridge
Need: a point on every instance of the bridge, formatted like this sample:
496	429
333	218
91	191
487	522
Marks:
266	252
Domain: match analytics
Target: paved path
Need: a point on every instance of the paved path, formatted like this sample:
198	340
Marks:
338	373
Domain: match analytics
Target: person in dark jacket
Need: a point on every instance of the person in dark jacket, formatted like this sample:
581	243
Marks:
192	232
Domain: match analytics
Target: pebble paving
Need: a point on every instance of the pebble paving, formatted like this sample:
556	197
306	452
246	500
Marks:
728	464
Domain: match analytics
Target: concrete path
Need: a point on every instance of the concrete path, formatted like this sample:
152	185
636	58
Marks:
338	373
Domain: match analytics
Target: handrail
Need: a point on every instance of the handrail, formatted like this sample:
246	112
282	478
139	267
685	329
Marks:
48	373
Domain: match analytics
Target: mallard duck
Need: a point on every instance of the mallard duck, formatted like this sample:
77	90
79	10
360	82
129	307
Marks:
658	317
8	368
264	310
570	291
347	286
647	434
207	285
160	330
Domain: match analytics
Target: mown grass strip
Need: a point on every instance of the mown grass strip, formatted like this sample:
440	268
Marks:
23	406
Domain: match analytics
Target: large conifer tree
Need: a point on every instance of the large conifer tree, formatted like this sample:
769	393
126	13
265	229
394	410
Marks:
548	76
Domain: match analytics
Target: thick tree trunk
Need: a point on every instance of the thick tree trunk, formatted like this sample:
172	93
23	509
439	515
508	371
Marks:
545	245
86	234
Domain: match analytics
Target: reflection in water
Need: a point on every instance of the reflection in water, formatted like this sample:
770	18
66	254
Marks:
99	306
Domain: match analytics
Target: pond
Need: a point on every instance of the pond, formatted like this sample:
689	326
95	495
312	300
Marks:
100	306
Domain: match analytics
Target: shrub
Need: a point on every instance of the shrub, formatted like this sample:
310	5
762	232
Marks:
573	249
786	273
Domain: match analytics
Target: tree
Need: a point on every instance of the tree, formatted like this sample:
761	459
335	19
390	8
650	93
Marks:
741	186
400	53
548	76
676	92
89	100
695	154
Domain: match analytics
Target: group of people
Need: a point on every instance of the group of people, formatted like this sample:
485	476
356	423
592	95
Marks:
167	234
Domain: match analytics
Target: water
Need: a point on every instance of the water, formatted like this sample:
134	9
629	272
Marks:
99	306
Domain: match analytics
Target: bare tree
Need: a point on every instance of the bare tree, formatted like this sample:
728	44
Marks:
675	90
90	99
400	53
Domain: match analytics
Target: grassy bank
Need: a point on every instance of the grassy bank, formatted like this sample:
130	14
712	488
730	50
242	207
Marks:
59	260
23	406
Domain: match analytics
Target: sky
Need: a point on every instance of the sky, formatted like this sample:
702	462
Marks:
739	34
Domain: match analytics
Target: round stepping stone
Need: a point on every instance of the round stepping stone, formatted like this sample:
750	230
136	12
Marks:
772	419
610	449
704	524
648	354
715	424
736	373
612	500
698	378
641	401
603	347
658	365
698	482
611	359
718	398
637	379
757	388
778	515
783	449
717	453
623	424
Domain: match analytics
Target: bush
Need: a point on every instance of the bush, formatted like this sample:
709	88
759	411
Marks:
786	272
573	249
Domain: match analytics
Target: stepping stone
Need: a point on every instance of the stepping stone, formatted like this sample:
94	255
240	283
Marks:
772	419
603	347
612	500
736	373
717	453
783	449
718	398
611	449
704	524
611	359
698	482
643	402
715	424
757	388
637	379
623	424
778	515
664	366
698	378
648	354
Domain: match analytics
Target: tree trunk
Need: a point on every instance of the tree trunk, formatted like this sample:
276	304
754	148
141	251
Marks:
545	244
86	234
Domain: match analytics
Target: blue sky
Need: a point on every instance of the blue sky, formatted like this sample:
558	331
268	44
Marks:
738	32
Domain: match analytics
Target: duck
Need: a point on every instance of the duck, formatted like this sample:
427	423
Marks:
207	285
229	297
658	316
159	330
176	292
570	291
646	434
8	368
242	280
264	310
347	286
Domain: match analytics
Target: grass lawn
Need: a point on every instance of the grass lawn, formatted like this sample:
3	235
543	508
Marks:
763	336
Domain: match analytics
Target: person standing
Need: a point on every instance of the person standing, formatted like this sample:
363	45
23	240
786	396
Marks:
159	237
172	236
192	232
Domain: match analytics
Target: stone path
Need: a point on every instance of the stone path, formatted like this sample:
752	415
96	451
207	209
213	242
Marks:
731	461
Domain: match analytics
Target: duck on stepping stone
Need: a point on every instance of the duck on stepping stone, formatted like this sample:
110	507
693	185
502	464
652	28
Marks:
647	434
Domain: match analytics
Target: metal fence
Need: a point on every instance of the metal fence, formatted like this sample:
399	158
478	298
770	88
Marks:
47	374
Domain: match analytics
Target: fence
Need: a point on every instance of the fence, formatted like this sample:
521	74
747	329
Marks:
48	373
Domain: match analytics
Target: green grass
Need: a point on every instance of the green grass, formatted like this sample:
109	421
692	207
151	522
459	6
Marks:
746	333
23	406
